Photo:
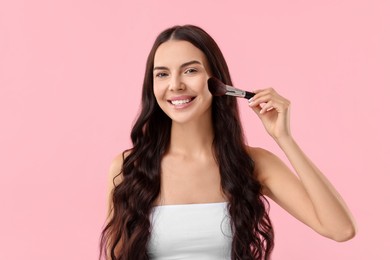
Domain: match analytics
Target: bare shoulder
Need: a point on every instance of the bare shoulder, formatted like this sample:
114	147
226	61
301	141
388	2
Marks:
115	177
258	153
266	163
262	157
115	172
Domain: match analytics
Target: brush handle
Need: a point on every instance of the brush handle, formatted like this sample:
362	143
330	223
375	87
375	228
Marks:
248	94
232	91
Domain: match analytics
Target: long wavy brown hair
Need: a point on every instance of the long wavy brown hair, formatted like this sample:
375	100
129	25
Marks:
127	231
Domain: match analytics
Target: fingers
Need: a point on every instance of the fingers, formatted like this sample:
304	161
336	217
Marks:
267	107
268	99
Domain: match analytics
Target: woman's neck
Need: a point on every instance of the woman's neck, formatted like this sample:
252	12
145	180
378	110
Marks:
192	139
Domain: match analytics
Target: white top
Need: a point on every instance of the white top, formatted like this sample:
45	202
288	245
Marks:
191	232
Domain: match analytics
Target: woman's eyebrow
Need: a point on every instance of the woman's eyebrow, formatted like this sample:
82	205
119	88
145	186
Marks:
190	63
181	66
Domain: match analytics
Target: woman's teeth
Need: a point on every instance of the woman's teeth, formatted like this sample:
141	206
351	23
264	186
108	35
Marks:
180	102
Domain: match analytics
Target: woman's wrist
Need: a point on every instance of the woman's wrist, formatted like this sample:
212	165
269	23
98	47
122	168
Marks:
284	141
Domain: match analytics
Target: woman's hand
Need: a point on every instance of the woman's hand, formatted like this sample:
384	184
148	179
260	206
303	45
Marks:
273	110
307	194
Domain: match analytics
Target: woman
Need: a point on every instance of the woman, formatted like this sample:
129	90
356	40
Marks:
190	188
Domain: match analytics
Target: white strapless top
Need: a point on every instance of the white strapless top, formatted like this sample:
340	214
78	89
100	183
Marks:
190	232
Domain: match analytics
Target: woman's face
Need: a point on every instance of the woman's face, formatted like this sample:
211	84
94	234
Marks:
180	76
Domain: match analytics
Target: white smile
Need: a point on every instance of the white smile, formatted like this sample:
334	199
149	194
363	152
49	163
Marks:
180	102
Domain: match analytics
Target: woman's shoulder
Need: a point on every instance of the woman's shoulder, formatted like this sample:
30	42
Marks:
259	155
115	177
265	162
115	171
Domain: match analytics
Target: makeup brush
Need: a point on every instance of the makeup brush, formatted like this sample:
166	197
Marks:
218	88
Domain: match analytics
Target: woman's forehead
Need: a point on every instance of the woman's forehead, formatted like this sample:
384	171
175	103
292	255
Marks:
176	53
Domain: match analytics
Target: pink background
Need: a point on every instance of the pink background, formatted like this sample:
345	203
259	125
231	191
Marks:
70	80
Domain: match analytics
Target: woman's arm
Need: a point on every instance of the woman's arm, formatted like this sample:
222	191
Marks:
308	195
115	177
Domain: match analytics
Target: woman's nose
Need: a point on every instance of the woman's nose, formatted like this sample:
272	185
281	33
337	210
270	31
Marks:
176	83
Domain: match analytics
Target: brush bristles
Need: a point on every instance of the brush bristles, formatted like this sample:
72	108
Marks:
216	87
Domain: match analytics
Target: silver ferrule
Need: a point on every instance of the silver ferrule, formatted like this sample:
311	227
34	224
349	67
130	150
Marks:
231	91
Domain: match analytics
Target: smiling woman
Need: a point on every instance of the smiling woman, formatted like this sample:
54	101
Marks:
190	187
180	84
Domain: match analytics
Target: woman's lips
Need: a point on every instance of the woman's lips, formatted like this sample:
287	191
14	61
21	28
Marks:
181	102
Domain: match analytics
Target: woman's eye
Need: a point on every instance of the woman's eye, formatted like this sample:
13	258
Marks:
190	71
161	75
